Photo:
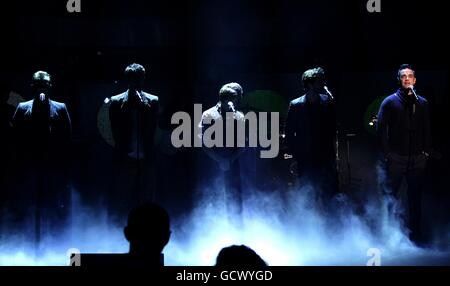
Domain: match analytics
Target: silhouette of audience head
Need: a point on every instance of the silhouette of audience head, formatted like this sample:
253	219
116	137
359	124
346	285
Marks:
135	75
314	79
147	230
41	82
239	256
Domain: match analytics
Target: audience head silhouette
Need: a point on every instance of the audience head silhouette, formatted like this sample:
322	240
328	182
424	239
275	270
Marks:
239	256
148	230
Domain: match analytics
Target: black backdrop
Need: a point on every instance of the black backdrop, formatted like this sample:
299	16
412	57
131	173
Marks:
191	48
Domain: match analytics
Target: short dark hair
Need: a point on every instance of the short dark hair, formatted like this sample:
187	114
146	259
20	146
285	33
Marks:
311	75
405	66
231	91
134	70
237	87
149	214
41	75
41	78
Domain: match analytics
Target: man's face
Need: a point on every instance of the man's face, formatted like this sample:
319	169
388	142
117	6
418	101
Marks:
42	85
136	82
407	78
231	97
318	85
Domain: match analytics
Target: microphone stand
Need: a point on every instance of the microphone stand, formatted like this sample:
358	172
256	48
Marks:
330	95
138	147
411	131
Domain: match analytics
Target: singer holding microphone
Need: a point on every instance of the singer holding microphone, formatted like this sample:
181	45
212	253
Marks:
310	134
134	117
226	109
41	130
403	130
227	157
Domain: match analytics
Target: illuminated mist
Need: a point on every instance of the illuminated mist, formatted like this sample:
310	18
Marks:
284	228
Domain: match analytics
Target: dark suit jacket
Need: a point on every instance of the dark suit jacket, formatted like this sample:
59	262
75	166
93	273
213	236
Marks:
310	130
41	130
403	125
120	117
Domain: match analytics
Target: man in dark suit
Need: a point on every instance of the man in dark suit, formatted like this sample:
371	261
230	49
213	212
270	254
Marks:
42	123
404	133
41	130
227	157
310	135
133	116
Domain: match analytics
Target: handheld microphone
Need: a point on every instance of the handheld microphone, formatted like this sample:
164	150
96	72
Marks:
414	92
139	95
231	106
328	91
42	96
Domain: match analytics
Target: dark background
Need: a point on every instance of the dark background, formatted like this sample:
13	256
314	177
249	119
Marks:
191	48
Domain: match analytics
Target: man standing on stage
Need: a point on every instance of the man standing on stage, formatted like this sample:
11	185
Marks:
42	130
225	111
133	115
403	130
310	135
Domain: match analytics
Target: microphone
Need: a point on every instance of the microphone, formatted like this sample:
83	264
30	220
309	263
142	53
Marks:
411	87
231	106
328	91
139	95
42	96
